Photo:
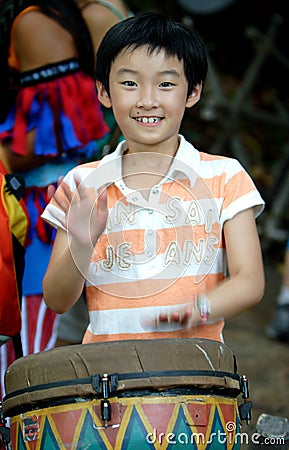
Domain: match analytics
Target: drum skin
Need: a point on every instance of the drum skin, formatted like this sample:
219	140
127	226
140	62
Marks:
170	394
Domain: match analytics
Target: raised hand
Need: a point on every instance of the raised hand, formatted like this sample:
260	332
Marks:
85	212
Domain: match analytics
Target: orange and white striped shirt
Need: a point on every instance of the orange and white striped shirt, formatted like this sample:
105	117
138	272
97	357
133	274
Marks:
158	254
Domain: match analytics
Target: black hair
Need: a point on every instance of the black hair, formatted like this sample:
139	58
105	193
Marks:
66	13
158	33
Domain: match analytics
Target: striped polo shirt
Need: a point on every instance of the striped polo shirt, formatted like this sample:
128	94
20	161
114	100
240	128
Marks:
158	253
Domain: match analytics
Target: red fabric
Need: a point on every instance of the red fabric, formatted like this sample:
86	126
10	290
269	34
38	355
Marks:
10	318
37	333
74	96
19	133
39	197
87	111
38	342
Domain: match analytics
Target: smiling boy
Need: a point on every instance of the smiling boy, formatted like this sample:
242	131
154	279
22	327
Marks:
162	235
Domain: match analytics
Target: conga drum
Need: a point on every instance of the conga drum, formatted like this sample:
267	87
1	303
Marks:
134	395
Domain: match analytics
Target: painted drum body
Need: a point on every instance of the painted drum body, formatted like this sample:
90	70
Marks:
151	394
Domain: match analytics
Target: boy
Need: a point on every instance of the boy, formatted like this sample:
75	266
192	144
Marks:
153	227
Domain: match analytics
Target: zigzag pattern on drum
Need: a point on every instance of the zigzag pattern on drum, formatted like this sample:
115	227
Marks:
150	422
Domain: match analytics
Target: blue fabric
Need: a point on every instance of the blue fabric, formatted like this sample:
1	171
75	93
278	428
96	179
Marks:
9	122
45	139
49	173
41	117
37	252
37	257
69	138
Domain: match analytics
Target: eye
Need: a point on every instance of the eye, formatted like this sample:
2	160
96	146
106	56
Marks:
129	83
167	84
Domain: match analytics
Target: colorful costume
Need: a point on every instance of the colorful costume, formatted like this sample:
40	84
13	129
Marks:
159	254
73	323
59	102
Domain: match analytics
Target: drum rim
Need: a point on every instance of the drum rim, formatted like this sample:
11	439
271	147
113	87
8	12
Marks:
122	377
221	382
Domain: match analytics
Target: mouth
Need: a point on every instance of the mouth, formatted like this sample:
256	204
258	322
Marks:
148	119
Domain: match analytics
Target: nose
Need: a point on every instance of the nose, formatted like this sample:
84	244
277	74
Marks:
148	98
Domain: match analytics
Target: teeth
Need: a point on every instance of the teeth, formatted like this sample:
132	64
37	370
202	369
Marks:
148	119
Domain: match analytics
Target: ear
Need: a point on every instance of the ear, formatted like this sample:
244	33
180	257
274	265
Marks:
195	96
103	96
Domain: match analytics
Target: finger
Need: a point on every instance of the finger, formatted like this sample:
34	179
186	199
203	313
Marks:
102	200
82	192
178	316
63	197
164	317
172	317
102	210
191	316
51	191
51	188
80	189
60	179
182	316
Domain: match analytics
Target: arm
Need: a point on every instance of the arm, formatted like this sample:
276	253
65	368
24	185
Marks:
64	278
86	218
21	163
40	40
100	18
244	287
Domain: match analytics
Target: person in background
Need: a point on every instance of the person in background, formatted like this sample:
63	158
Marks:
99	16
50	121
278	329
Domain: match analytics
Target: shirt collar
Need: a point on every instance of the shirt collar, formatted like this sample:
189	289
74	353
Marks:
186	161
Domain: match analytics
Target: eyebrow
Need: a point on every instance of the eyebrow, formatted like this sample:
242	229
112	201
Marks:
126	71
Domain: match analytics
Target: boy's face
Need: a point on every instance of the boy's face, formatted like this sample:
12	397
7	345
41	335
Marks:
148	95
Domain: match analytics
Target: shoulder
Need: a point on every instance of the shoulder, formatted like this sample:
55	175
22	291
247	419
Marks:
29	17
100	16
209	157
40	39
81	172
220	164
104	8
85	168
24	24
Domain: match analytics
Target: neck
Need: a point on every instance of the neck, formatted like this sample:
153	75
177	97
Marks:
168	149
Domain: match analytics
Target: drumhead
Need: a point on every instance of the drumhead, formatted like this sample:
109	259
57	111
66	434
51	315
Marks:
75	370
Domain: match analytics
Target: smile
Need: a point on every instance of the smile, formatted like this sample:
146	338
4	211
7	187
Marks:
148	119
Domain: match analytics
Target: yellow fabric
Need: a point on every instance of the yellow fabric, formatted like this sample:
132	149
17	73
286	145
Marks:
18	220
